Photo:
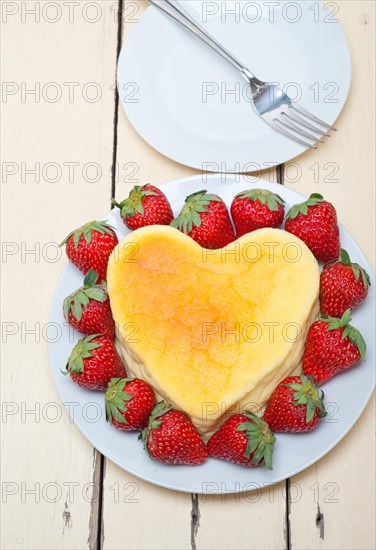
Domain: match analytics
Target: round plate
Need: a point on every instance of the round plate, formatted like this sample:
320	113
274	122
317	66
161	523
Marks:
346	395
194	108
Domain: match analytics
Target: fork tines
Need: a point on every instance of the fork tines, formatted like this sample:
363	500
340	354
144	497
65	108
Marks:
304	124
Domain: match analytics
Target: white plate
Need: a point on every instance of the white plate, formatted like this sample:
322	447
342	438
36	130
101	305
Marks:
347	393
165	76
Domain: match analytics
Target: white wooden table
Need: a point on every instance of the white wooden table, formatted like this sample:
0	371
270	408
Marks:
65	134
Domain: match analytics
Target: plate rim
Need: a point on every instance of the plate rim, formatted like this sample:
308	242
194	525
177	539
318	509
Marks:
150	479
127	107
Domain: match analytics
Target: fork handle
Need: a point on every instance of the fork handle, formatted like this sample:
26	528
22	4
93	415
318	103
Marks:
175	11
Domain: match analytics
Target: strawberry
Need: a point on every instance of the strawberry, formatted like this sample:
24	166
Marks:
93	362
205	218
244	439
90	246
171	438
343	285
315	223
295	405
129	403
88	308
145	205
255	209
332	346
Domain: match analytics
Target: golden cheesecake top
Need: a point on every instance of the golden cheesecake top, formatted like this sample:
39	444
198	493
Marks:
209	327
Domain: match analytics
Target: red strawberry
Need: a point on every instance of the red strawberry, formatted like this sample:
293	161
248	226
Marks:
145	205
243	439
90	246
294	406
93	362
129	403
332	346
171	438
88	308
315	223
343	285
255	209
205	218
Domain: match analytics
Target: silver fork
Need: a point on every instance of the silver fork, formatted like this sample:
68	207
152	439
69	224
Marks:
269	100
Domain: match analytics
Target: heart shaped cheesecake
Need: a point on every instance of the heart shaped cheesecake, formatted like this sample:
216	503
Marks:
213	331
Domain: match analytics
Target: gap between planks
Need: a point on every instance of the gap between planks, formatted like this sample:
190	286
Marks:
280	174
195	511
96	528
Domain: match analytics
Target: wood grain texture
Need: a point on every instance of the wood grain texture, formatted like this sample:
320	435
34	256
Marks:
45	451
250	520
337	503
138	515
330	505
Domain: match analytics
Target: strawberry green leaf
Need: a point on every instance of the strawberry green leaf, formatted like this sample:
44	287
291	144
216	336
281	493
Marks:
268	456
82	298
365	278
307	393
260	440
117	383
334	322
264	196
87	230
159	410
196	220
77	365
195	204
77	237
344	257
97	293
140	209
66	307
311	407
113	412
302	208
358	271
132	205
155	424
82	350
115	398
91	278
356	338
77	310
87	235
64	241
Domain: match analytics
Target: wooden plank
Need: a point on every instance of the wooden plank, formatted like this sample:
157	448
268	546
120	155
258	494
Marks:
254	519
43	451
138	515
337	507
